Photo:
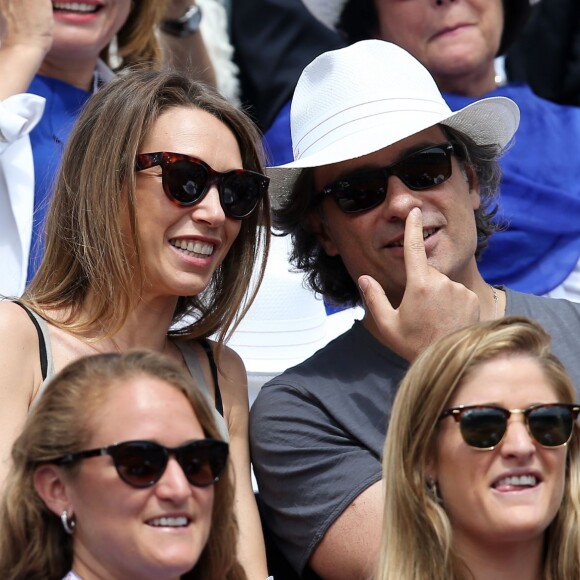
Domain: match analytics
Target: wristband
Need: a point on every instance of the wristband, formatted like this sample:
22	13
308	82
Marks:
187	25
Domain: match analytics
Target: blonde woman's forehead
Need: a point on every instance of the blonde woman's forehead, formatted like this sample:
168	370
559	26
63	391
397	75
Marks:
145	407
514	381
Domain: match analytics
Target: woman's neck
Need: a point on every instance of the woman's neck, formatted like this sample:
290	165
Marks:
146	326
503	560
78	73
475	84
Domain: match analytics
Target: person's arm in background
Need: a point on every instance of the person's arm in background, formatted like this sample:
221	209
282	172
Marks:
187	53
234	390
25	38
20	375
350	548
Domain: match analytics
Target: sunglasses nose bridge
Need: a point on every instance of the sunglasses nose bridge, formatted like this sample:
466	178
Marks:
518	438
400	198
160	456
173	476
214	179
211	199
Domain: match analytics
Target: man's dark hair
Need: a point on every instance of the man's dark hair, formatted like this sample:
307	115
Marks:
328	275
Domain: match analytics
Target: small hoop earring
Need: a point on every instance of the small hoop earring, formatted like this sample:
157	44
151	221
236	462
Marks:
68	524
434	492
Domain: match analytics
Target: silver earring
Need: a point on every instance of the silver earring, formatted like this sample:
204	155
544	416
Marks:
434	491
68	524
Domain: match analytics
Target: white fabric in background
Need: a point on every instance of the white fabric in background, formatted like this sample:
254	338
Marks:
214	29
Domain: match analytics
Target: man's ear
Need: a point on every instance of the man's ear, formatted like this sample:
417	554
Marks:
52	488
316	224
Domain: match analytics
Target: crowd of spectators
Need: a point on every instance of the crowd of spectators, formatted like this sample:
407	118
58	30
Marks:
420	158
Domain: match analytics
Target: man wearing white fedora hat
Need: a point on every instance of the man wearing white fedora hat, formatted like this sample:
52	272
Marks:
390	193
458	41
538	250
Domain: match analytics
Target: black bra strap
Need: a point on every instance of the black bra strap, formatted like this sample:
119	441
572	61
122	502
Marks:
41	343
214	373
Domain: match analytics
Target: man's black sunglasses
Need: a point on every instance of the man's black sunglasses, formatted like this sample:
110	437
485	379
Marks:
142	463
366	190
186	181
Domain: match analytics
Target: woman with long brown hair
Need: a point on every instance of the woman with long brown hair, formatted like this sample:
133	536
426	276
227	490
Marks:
158	219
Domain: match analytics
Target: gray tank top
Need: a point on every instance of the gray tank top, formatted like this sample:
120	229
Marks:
190	358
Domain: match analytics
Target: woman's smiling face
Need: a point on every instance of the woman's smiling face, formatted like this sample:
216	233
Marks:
83	29
510	493
156	532
183	246
456	41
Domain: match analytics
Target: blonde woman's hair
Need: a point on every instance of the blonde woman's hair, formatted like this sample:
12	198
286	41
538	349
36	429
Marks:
137	42
91	239
33	544
417	541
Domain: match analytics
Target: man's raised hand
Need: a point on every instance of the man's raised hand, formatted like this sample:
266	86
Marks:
432	304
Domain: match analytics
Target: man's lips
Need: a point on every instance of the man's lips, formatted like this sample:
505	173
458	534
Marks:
399	241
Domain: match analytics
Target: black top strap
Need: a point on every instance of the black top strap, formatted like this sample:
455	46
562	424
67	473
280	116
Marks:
214	373
41	343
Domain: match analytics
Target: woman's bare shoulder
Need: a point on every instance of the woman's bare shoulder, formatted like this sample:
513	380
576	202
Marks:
15	322
230	363
20	374
232	378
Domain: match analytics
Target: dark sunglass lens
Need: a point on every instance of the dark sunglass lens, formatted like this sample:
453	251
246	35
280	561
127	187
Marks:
425	169
203	461
139	464
361	192
241	192
483	427
186	181
551	426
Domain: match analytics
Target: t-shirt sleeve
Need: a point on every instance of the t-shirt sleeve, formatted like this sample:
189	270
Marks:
309	467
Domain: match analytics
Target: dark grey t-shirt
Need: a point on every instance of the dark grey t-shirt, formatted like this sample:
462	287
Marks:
317	431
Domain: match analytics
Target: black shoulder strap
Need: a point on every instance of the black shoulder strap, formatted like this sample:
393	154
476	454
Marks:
41	343
214	373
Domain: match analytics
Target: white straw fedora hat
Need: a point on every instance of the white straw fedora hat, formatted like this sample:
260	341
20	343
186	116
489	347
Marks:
357	100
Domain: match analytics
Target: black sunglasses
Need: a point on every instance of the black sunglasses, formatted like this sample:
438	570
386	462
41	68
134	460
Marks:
484	426
143	463
365	190
186	181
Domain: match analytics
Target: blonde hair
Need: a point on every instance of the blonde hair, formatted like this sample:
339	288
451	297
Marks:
137	42
417	540
33	544
87	245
